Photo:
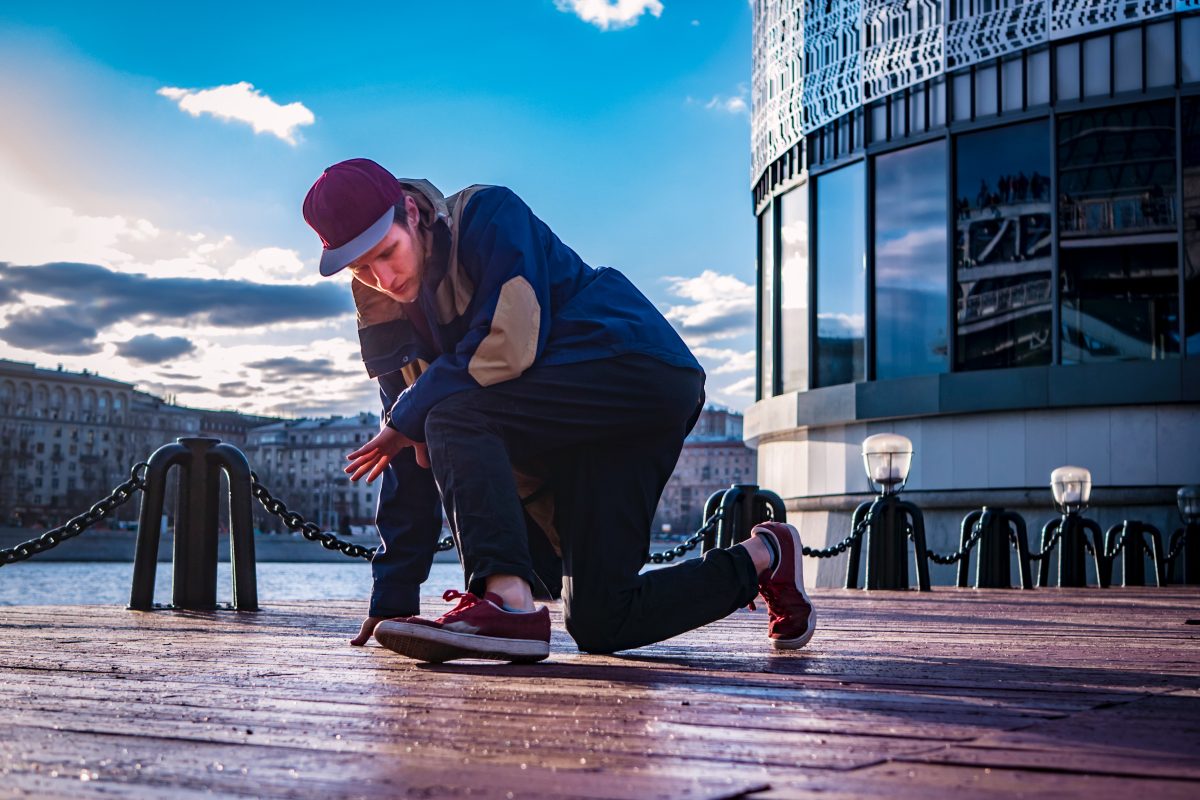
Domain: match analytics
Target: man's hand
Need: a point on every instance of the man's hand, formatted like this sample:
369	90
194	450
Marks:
364	633
374	456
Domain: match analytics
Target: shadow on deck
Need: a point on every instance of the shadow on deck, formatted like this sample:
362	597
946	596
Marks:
957	692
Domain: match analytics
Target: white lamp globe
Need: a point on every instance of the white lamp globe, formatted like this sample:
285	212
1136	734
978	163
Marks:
887	458
1072	488
1188	499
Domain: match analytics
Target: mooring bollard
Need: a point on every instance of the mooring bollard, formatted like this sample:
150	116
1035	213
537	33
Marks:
998	530
1185	541
890	523
741	507
1070	531
199	461
1129	539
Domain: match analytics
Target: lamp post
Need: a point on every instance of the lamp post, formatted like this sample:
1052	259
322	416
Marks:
1072	489
1188	500
889	521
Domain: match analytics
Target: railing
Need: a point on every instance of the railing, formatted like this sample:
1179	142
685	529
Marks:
1137	213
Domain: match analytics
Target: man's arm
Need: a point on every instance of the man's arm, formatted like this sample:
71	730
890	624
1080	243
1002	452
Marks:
502	246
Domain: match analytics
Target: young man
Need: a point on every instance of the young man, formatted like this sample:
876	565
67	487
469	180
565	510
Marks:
543	404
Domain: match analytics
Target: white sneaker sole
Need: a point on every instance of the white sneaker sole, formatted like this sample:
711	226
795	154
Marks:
802	639
798	570
436	645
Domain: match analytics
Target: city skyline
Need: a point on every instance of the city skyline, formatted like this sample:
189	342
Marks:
149	221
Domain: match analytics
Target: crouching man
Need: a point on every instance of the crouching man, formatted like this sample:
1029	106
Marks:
543	404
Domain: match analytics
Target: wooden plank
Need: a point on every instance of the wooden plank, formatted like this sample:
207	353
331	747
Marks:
900	694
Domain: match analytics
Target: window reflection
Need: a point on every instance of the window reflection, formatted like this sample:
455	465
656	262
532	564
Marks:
1117	171
1002	252
793	301
910	262
1117	223
1191	222
766	282
841	250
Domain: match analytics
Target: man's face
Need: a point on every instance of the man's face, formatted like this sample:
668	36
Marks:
393	266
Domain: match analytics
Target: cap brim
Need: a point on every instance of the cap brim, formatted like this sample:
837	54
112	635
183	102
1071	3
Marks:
336	259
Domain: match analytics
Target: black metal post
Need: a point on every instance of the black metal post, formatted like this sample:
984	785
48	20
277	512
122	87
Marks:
854	556
1188	559
711	506
1072	547
1020	535
200	460
892	522
964	535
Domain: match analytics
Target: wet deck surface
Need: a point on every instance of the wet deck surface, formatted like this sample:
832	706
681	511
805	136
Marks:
957	693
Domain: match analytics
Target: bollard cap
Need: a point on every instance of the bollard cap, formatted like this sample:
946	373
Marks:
1188	499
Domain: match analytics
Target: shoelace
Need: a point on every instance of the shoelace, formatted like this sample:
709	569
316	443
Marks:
465	601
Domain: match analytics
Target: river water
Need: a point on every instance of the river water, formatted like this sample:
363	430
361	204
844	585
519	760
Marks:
79	583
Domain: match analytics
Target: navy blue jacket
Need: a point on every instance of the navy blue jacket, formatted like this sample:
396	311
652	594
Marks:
500	293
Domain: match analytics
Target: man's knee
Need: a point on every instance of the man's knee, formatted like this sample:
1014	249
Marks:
596	626
458	412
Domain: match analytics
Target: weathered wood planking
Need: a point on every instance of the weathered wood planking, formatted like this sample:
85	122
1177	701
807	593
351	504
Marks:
1048	693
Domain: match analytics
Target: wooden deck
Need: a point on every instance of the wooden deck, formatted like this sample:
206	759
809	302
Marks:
1049	693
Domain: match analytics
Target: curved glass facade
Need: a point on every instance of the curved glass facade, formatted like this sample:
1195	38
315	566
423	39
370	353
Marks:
973	187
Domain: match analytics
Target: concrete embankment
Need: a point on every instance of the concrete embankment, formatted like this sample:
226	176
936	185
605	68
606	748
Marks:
117	545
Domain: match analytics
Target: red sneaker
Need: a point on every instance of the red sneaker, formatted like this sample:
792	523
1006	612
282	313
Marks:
475	628
793	619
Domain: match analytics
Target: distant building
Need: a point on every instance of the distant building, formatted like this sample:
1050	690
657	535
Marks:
301	461
713	458
67	438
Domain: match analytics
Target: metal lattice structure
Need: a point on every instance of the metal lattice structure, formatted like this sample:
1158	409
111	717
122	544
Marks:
817	60
902	44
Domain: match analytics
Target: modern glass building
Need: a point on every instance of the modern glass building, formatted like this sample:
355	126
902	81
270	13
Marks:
979	227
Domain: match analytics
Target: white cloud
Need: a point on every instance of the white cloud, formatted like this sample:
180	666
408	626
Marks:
736	104
611	14
720	307
724	361
241	102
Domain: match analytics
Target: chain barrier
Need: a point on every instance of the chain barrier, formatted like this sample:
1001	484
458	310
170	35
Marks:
672	553
1118	545
1050	545
1177	540
961	553
843	545
313	532
78	524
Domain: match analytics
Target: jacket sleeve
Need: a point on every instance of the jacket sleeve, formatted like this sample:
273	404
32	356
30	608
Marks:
503	249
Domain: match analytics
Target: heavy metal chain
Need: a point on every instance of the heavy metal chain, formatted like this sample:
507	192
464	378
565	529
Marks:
1049	547
1177	540
312	531
1118	545
843	545
672	553
960	554
78	524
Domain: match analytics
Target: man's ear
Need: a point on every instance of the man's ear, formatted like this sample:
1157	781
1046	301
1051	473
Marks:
412	213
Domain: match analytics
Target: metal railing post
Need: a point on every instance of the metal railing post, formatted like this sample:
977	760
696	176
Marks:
200	461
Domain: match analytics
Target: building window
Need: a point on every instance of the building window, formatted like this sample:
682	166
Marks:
910	261
1002	249
841	255
793	289
1191	219
1117	228
766	282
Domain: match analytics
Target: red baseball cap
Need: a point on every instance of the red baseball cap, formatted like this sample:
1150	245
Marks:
351	207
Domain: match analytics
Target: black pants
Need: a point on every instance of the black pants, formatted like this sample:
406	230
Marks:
605	435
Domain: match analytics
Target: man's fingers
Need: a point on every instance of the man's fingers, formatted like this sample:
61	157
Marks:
379	467
363	469
422	454
358	462
365	631
366	449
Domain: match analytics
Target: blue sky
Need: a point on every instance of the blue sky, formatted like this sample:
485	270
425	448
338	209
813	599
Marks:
624	125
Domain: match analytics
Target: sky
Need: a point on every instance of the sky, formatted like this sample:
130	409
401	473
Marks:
154	157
